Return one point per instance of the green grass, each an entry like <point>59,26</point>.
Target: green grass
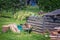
<point>23,35</point>
<point>18,36</point>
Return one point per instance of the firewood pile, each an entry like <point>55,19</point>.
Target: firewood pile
<point>50,21</point>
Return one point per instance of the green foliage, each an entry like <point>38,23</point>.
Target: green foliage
<point>21,15</point>
<point>49,5</point>
<point>10,7</point>
<point>8,4</point>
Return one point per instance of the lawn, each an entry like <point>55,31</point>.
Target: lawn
<point>23,35</point>
<point>18,36</point>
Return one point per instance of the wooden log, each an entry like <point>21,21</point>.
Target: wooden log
<point>36,21</point>
<point>35,25</point>
<point>48,23</point>
<point>38,31</point>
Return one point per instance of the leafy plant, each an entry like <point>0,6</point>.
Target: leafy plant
<point>48,5</point>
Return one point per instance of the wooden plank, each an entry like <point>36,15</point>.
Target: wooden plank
<point>49,23</point>
<point>35,25</point>
<point>41,29</point>
<point>52,25</point>
<point>35,19</point>
<point>38,22</point>
<point>38,28</point>
<point>58,21</point>
<point>53,21</point>
<point>47,18</point>
<point>38,31</point>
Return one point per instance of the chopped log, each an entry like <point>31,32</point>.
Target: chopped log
<point>5,28</point>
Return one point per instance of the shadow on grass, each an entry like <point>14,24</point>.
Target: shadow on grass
<point>5,16</point>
